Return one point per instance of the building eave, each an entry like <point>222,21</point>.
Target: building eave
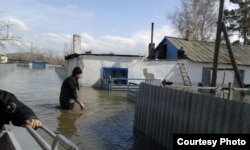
<point>71,56</point>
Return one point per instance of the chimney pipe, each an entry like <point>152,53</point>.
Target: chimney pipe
<point>189,35</point>
<point>151,46</point>
<point>152,32</point>
<point>76,44</point>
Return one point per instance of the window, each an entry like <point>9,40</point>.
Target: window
<point>116,73</point>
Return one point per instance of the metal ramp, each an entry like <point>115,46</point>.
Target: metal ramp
<point>25,138</point>
<point>185,77</point>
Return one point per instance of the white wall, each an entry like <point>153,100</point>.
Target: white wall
<point>161,69</point>
<point>93,68</point>
<point>246,79</point>
<point>168,70</point>
<point>195,73</point>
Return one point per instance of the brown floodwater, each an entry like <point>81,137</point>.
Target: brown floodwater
<point>106,124</point>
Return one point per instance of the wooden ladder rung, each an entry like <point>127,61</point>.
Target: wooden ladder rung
<point>184,74</point>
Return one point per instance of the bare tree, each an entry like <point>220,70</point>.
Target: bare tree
<point>6,36</point>
<point>198,16</point>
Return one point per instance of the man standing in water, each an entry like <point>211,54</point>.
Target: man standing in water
<point>68,94</point>
<point>11,109</point>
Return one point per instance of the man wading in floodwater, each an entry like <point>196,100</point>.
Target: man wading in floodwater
<point>68,95</point>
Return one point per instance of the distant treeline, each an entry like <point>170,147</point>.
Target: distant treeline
<point>50,58</point>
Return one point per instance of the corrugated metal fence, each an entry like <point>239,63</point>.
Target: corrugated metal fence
<point>161,112</point>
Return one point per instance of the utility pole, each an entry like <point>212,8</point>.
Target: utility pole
<point>231,55</point>
<point>222,28</point>
<point>217,44</point>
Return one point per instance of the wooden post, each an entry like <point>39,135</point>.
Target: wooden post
<point>229,90</point>
<point>231,55</point>
<point>217,44</point>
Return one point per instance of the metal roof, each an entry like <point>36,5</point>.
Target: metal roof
<point>198,51</point>
<point>70,56</point>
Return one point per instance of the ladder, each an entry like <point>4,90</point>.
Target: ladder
<point>185,77</point>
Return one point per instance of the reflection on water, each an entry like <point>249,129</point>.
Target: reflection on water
<point>108,119</point>
<point>67,123</point>
<point>106,124</point>
<point>6,69</point>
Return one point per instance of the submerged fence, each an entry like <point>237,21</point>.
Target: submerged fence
<point>126,83</point>
<point>162,112</point>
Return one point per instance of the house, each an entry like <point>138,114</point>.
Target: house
<point>200,57</point>
<point>99,68</point>
<point>38,64</point>
<point>3,58</point>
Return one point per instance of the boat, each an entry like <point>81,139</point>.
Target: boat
<point>23,138</point>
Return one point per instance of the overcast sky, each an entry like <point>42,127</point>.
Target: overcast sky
<point>105,26</point>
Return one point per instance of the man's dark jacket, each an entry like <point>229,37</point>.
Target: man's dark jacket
<point>11,109</point>
<point>68,91</point>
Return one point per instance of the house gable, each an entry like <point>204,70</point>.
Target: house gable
<point>166,50</point>
<point>202,52</point>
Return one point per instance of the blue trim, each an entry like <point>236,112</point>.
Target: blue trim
<point>108,72</point>
<point>171,50</point>
<point>38,65</point>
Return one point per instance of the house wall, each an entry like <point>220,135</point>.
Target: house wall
<point>225,73</point>
<point>246,79</point>
<point>92,67</point>
<point>141,68</point>
<point>138,67</point>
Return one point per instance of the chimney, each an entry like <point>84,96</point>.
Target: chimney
<point>189,35</point>
<point>151,46</point>
<point>76,44</point>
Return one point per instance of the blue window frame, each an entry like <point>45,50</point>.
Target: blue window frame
<point>115,73</point>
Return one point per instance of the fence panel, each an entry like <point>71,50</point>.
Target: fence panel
<point>161,112</point>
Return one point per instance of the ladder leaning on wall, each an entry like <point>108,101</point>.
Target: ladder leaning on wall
<point>185,77</point>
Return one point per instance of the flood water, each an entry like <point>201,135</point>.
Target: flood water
<point>106,124</point>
